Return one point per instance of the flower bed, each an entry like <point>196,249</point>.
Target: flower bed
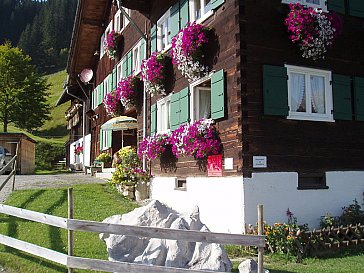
<point>154,73</point>
<point>128,89</point>
<point>199,139</point>
<point>112,44</point>
<point>187,51</point>
<point>312,29</point>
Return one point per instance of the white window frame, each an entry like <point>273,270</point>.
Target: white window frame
<point>322,4</point>
<point>119,72</point>
<point>165,117</point>
<point>125,20</point>
<point>105,140</point>
<point>137,58</point>
<point>328,116</point>
<point>117,18</point>
<point>204,15</point>
<point>194,103</point>
<point>166,17</point>
<point>103,37</point>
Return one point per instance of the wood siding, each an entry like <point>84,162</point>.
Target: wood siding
<point>293,145</point>
<point>225,21</point>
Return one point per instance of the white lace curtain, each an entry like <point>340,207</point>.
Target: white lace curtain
<point>318,94</point>
<point>298,92</point>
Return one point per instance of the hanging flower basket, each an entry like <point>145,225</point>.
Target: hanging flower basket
<point>153,147</point>
<point>187,51</point>
<point>313,30</point>
<point>154,73</point>
<point>112,44</point>
<point>129,91</point>
<point>112,103</point>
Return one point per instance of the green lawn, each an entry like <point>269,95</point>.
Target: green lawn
<point>92,202</point>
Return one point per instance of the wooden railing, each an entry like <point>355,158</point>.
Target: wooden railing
<point>11,174</point>
<point>71,225</point>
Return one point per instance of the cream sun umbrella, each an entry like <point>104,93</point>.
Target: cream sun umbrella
<point>120,124</point>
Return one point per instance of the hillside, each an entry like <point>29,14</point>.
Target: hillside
<point>54,130</point>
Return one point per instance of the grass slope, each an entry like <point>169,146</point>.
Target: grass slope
<point>54,130</point>
<point>92,202</point>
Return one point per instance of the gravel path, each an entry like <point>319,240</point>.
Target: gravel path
<point>46,181</point>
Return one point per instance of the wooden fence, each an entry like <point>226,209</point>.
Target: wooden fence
<point>316,241</point>
<point>71,225</point>
<point>12,173</point>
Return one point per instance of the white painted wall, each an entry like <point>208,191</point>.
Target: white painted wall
<point>278,192</point>
<point>86,156</point>
<point>219,199</point>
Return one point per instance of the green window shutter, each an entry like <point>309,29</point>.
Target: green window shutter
<point>100,138</point>
<point>175,19</point>
<point>359,98</point>
<point>153,119</point>
<point>341,89</point>
<point>109,139</point>
<point>102,92</point>
<point>184,106</point>
<point>110,83</point>
<point>114,79</point>
<point>99,95</point>
<point>143,49</point>
<point>175,111</point>
<point>184,13</point>
<point>218,95</point>
<point>275,90</point>
<point>153,38</point>
<point>216,3</point>
<point>356,8</point>
<point>130,63</point>
<point>337,5</point>
<point>124,67</point>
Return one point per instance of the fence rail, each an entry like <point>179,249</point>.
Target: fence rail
<point>98,227</point>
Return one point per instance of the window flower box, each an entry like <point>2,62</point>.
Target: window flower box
<point>112,44</point>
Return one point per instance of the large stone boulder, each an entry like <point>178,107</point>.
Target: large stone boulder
<point>172,253</point>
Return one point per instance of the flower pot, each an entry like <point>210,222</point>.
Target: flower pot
<point>125,190</point>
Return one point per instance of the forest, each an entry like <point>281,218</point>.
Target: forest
<point>42,29</point>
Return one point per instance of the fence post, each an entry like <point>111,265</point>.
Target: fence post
<point>70,232</point>
<point>260,232</point>
<point>15,166</point>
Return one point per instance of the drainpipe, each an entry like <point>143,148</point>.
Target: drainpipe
<point>83,121</point>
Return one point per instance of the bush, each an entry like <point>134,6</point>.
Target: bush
<point>47,154</point>
<point>104,157</point>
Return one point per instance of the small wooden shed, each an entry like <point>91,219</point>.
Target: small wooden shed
<point>26,150</point>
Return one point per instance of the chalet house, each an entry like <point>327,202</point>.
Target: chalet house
<point>291,127</point>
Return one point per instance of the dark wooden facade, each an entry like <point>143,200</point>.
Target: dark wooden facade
<point>250,34</point>
<point>295,145</point>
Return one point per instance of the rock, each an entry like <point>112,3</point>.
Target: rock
<point>249,266</point>
<point>171,253</point>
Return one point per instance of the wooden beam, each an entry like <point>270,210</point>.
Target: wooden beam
<point>34,216</point>
<point>34,249</point>
<point>165,233</point>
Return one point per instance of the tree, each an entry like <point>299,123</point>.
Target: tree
<point>23,91</point>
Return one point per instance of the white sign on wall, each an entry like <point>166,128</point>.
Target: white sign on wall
<point>259,161</point>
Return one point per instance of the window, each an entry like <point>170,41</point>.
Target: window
<point>119,71</point>
<point>181,184</point>
<point>200,10</point>
<point>103,37</point>
<point>120,21</point>
<point>201,100</point>
<point>138,55</point>
<point>309,94</point>
<point>163,115</point>
<point>311,181</point>
<point>310,3</point>
<point>164,31</point>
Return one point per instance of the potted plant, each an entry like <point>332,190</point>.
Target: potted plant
<point>105,158</point>
<point>154,73</point>
<point>187,51</point>
<point>112,103</point>
<point>129,91</point>
<point>112,44</point>
<point>313,30</point>
<point>153,147</point>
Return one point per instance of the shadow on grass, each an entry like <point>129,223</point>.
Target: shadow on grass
<point>54,233</point>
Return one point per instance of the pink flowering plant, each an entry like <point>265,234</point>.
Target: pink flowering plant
<point>128,89</point>
<point>153,147</point>
<point>111,44</point>
<point>154,73</point>
<point>112,103</point>
<point>78,149</point>
<point>199,139</point>
<point>313,30</point>
<point>187,51</point>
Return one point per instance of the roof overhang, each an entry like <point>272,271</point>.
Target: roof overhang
<point>143,6</point>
